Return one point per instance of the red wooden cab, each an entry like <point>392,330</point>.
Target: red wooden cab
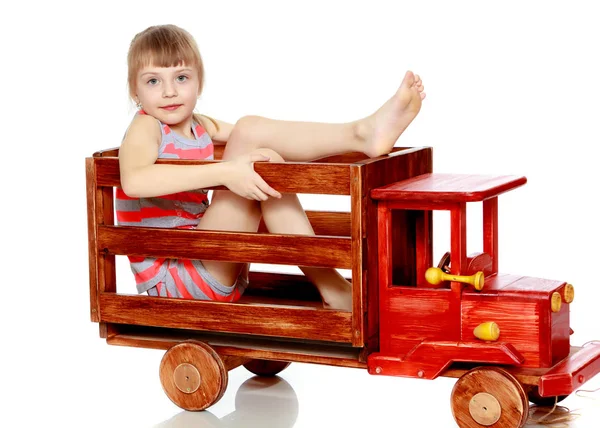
<point>425,328</point>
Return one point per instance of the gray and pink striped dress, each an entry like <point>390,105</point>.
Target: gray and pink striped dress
<point>179,278</point>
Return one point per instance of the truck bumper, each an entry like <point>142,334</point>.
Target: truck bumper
<point>571,373</point>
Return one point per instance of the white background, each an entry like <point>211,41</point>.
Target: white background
<point>512,88</point>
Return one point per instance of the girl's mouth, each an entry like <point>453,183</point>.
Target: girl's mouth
<point>171,107</point>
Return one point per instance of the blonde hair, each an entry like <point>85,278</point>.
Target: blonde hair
<point>164,46</point>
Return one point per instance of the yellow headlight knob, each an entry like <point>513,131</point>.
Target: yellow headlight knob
<point>555,302</point>
<point>569,293</point>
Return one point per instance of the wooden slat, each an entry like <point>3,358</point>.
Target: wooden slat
<point>358,200</point>
<point>449,188</point>
<point>92,249</point>
<point>242,346</point>
<point>328,223</point>
<point>265,320</point>
<point>346,158</point>
<point>112,152</point>
<point>289,177</point>
<point>399,165</point>
<point>296,250</point>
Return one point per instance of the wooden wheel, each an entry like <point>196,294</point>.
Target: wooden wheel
<point>534,396</point>
<point>193,375</point>
<point>266,367</point>
<point>489,397</point>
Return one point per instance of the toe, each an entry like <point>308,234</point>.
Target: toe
<point>409,79</point>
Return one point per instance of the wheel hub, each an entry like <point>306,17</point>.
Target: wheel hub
<point>485,409</point>
<point>187,378</point>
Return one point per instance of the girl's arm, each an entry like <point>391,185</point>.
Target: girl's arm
<point>142,178</point>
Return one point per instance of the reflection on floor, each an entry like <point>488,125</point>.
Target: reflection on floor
<point>259,402</point>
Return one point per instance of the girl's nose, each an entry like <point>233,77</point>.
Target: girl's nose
<point>169,90</point>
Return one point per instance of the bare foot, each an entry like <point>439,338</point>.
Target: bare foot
<point>381,130</point>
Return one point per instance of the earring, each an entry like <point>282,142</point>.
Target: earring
<point>139,105</point>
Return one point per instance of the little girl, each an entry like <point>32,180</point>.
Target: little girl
<point>165,80</point>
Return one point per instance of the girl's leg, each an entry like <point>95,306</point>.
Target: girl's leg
<point>229,211</point>
<point>286,215</point>
<point>374,135</point>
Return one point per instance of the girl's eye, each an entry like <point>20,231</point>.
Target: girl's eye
<point>181,78</point>
<point>153,81</point>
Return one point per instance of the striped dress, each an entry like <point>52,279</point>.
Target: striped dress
<point>180,278</point>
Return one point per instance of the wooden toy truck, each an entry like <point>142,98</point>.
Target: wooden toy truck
<point>505,337</point>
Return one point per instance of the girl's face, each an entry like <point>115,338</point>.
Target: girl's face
<point>168,93</point>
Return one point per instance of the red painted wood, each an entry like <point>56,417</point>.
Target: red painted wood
<point>420,205</point>
<point>519,284</point>
<point>458,264</point>
<point>520,324</point>
<point>560,334</point>
<point>490,230</point>
<point>448,188</point>
<point>458,237</point>
<point>358,201</point>
<point>380,172</point>
<point>424,246</point>
<point>409,315</point>
<point>429,359</point>
<point>572,372</point>
<point>384,225</point>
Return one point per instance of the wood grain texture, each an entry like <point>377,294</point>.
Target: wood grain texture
<point>397,166</point>
<point>560,333</point>
<point>572,372</point>
<point>424,245</point>
<point>327,179</point>
<point>490,231</point>
<point>267,320</point>
<point>430,358</point>
<point>295,250</point>
<point>202,385</point>
<point>92,248</point>
<point>410,315</point>
<point>507,392</point>
<point>358,201</point>
<point>519,324</point>
<point>346,158</point>
<point>257,347</point>
<point>448,188</point>
<point>327,223</point>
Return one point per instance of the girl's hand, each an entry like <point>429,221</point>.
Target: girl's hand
<point>242,180</point>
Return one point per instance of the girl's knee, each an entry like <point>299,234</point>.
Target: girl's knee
<point>275,157</point>
<point>244,130</point>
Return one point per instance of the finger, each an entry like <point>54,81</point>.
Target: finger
<point>260,195</point>
<point>423,95</point>
<point>257,157</point>
<point>264,187</point>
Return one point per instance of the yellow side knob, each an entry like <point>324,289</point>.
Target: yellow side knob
<point>569,293</point>
<point>487,331</point>
<point>435,275</point>
<point>555,302</point>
